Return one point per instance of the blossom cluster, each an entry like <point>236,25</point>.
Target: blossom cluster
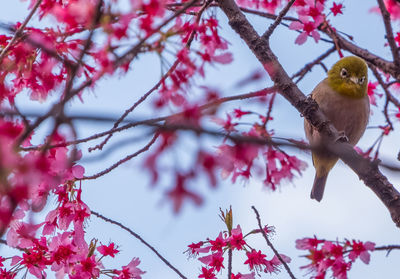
<point>61,245</point>
<point>58,243</point>
<point>213,252</point>
<point>334,256</point>
<point>310,14</point>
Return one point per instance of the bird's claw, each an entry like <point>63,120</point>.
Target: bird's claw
<point>342,137</point>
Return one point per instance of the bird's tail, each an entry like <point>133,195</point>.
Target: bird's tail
<point>318,188</point>
<point>323,163</point>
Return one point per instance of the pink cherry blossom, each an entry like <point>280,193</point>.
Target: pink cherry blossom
<point>307,28</point>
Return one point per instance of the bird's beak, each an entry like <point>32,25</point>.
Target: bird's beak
<point>354,79</point>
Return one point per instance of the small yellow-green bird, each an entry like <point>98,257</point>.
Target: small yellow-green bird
<point>343,98</point>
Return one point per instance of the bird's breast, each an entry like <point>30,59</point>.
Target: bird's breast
<point>347,114</point>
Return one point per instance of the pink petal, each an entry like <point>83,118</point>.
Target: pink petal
<point>206,259</point>
<point>301,39</point>
<point>315,35</point>
<point>369,245</point>
<point>296,25</point>
<point>365,257</point>
<point>224,58</point>
<point>78,171</point>
<point>15,260</point>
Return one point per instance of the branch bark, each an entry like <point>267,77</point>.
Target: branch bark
<point>366,170</point>
<point>389,34</point>
<point>386,66</point>
<point>383,64</point>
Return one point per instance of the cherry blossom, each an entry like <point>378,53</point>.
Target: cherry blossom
<point>307,28</point>
<point>372,92</point>
<point>336,9</point>
<point>334,256</point>
<point>108,250</point>
<point>235,242</point>
<point>397,38</point>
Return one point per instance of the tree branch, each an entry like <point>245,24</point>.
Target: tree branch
<point>386,66</point>
<point>278,20</point>
<point>285,265</point>
<point>98,215</point>
<point>302,72</point>
<point>389,34</point>
<point>124,160</point>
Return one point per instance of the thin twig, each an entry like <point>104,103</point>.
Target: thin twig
<point>19,30</point>
<point>273,16</point>
<point>266,15</point>
<point>278,20</point>
<point>389,34</point>
<point>388,95</point>
<point>269,110</point>
<point>270,244</point>
<point>115,146</point>
<point>133,107</point>
<point>307,68</point>
<point>68,93</point>
<point>387,247</point>
<point>124,160</point>
<point>141,240</point>
<point>229,263</point>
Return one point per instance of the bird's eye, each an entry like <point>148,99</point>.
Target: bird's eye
<point>361,80</point>
<point>343,72</point>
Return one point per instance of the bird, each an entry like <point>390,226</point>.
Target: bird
<point>342,97</point>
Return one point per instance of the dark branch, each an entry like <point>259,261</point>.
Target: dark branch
<point>124,160</point>
<point>98,215</point>
<point>389,34</point>
<point>278,20</point>
<point>285,265</point>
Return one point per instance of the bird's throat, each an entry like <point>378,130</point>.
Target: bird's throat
<point>348,89</point>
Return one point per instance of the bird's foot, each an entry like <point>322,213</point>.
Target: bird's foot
<point>342,137</point>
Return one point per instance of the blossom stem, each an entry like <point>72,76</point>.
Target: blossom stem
<point>389,34</point>
<point>98,215</point>
<point>229,263</point>
<point>278,20</point>
<point>285,265</point>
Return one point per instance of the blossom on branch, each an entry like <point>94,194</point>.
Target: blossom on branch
<point>332,256</point>
<point>336,9</point>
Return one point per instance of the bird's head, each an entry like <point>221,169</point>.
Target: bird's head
<point>349,77</point>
